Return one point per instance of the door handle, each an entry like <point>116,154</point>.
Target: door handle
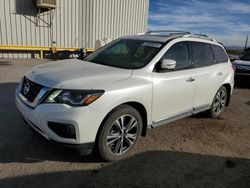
<point>190,79</point>
<point>219,73</point>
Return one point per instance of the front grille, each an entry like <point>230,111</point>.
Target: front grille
<point>30,89</point>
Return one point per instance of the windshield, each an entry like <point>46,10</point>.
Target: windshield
<point>246,57</point>
<point>126,53</point>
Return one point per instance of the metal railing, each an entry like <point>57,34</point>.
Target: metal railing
<point>41,49</point>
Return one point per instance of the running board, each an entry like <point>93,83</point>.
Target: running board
<point>179,116</point>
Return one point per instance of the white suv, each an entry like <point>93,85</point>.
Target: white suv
<point>137,82</point>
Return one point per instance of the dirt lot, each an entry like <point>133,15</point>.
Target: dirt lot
<point>193,152</point>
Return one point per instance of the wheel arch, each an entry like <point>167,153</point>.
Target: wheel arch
<point>139,107</point>
<point>144,115</point>
<point>229,89</point>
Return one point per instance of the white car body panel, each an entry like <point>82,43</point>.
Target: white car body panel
<point>75,74</point>
<point>168,97</point>
<point>209,80</point>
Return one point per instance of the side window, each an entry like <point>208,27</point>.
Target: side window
<point>180,53</point>
<point>202,54</point>
<point>220,55</point>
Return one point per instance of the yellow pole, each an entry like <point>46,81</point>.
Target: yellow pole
<point>41,54</point>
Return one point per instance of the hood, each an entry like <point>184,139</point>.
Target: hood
<point>241,62</point>
<point>76,74</point>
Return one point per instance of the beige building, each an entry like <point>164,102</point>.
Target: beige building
<point>66,23</point>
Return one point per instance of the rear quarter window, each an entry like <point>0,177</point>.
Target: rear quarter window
<point>220,55</point>
<point>202,54</point>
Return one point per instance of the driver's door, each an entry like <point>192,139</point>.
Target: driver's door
<point>174,90</point>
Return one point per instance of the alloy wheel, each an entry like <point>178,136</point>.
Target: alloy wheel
<point>220,101</point>
<point>122,134</point>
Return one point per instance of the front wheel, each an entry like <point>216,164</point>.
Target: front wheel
<point>120,133</point>
<point>219,102</point>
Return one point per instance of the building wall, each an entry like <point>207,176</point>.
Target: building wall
<point>76,23</point>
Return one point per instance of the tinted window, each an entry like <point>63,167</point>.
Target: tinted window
<point>126,53</point>
<point>219,54</point>
<point>202,54</point>
<point>180,53</point>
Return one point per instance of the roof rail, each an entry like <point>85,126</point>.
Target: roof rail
<point>167,32</point>
<point>201,36</point>
<point>179,33</point>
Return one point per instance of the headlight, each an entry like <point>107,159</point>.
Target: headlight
<point>74,97</point>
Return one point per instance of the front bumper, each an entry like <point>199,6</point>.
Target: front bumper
<point>85,120</point>
<point>82,149</point>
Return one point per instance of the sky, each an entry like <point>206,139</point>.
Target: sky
<point>228,21</point>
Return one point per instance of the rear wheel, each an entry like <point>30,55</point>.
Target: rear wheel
<point>219,102</point>
<point>120,133</point>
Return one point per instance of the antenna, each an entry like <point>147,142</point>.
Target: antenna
<point>246,43</point>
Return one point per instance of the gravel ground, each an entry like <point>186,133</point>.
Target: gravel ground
<point>193,152</point>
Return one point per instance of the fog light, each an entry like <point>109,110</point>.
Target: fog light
<point>63,129</point>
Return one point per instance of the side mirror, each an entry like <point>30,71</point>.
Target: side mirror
<point>168,64</point>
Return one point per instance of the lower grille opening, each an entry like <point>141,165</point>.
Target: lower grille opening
<point>63,129</point>
<point>30,123</point>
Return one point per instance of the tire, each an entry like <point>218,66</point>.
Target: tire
<point>116,139</point>
<point>219,103</point>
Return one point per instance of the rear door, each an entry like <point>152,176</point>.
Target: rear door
<point>209,74</point>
